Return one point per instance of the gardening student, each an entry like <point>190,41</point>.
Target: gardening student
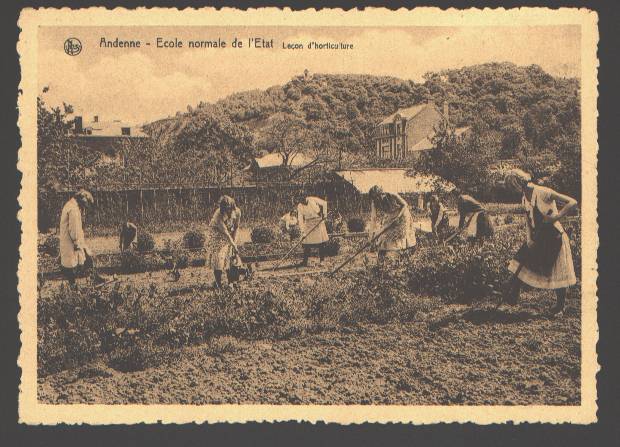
<point>288,222</point>
<point>128,236</point>
<point>222,236</point>
<point>311,214</point>
<point>474,221</point>
<point>75,257</point>
<point>440,224</point>
<point>390,209</point>
<point>545,260</point>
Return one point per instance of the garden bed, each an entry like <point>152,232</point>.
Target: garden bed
<point>159,259</point>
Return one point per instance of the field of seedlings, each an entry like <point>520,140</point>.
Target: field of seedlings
<point>425,329</point>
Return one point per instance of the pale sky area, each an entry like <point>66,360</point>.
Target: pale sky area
<point>145,84</point>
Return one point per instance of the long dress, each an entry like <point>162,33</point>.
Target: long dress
<point>220,249</point>
<point>309,217</point>
<point>401,235</point>
<point>545,261</point>
<point>73,248</point>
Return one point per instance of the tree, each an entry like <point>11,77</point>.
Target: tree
<point>567,179</point>
<point>61,163</point>
<point>287,135</point>
<point>513,141</point>
<point>462,161</point>
<point>213,132</point>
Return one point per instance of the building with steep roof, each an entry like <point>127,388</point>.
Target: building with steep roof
<point>409,131</point>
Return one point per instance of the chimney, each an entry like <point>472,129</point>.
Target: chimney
<point>77,122</point>
<point>446,110</point>
<point>96,118</point>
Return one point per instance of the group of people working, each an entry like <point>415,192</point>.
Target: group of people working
<point>544,261</point>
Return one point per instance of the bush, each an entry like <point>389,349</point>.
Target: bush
<point>463,271</point>
<point>333,225</point>
<point>294,232</point>
<point>194,239</point>
<point>134,328</point>
<point>145,242</point>
<point>356,225</point>
<point>51,246</point>
<point>262,235</point>
<point>370,296</point>
<point>132,262</point>
<point>332,247</point>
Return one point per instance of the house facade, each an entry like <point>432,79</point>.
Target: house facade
<point>105,136</point>
<point>409,131</point>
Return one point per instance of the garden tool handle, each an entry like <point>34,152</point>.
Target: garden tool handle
<point>297,244</point>
<point>364,247</point>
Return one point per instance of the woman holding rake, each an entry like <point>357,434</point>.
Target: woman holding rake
<point>390,209</point>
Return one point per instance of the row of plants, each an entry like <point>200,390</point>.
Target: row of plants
<point>264,240</point>
<point>132,328</point>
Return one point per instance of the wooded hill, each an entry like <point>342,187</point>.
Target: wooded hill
<point>529,108</point>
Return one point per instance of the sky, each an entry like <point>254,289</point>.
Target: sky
<point>149,83</point>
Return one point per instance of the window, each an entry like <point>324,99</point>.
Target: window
<point>125,131</point>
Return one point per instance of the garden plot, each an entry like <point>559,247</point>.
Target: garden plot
<point>422,330</point>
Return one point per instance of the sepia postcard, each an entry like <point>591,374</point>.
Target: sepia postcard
<point>339,216</point>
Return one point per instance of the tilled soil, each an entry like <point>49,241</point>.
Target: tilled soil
<point>451,355</point>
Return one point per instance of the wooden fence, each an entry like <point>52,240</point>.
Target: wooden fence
<point>162,207</point>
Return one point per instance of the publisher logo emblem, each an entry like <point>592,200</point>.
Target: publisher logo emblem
<point>73,46</point>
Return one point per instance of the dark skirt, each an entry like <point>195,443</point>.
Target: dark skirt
<point>541,256</point>
<point>484,227</point>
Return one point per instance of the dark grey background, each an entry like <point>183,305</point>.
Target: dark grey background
<point>606,432</point>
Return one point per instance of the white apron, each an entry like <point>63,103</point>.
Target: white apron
<point>71,235</point>
<point>309,217</point>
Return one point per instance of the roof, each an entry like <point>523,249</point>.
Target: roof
<point>111,129</point>
<point>423,145</point>
<point>426,143</point>
<point>394,180</point>
<point>407,113</point>
<point>276,159</point>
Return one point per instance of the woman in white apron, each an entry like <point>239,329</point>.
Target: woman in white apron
<point>390,209</point>
<point>76,259</point>
<point>221,237</point>
<point>311,214</point>
<point>545,260</point>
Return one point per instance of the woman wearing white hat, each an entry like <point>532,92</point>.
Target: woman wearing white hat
<point>75,256</point>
